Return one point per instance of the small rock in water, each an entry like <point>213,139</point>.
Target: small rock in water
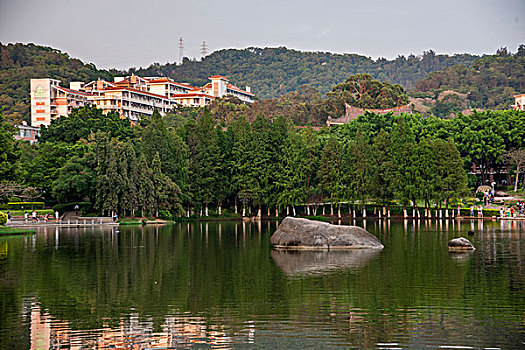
<point>460,244</point>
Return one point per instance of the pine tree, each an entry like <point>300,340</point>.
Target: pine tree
<point>330,171</point>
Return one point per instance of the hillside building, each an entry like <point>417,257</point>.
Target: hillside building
<point>519,102</point>
<point>133,97</point>
<point>49,100</point>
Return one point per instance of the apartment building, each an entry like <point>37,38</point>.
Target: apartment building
<point>133,97</point>
<point>49,100</point>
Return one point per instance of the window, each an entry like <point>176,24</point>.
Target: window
<point>40,92</point>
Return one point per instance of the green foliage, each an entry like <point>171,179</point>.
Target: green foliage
<point>274,72</point>
<point>363,91</point>
<point>489,82</point>
<point>9,151</point>
<point>21,62</point>
<point>14,199</point>
<point>26,205</point>
<point>82,123</point>
<point>165,215</point>
<point>75,181</point>
<point>3,218</point>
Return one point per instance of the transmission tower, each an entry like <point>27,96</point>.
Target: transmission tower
<point>181,50</point>
<point>204,49</point>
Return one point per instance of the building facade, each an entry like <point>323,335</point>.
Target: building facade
<point>519,102</point>
<point>49,100</point>
<point>133,97</point>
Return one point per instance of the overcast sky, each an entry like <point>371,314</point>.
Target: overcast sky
<point>134,33</point>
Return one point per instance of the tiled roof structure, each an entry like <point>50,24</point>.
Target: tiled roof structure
<point>354,112</point>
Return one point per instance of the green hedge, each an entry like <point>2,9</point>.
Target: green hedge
<point>25,205</point>
<point>3,218</point>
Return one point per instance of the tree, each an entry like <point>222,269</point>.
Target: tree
<point>382,171</point>
<point>358,174</point>
<point>245,184</point>
<point>205,161</point>
<point>516,157</point>
<point>291,173</point>
<point>108,179</point>
<point>9,151</point>
<point>329,172</point>
<point>451,178</point>
<point>75,182</point>
<point>401,147</point>
<point>82,123</point>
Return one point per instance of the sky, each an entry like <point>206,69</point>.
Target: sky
<point>136,33</point>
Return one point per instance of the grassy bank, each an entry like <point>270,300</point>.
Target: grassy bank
<point>7,231</point>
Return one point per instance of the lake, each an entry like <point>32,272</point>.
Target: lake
<point>219,285</point>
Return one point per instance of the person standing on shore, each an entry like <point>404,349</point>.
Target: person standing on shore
<point>33,215</point>
<point>26,216</point>
<point>8,217</point>
<point>56,215</point>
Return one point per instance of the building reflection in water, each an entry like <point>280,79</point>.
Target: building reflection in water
<point>178,331</point>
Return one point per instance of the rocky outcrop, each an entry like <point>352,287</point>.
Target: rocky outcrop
<point>294,233</point>
<point>460,244</point>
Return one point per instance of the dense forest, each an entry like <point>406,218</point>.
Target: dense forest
<point>156,169</point>
<point>272,72</point>
<point>301,84</point>
<point>489,82</point>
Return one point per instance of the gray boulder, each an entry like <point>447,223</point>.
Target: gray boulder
<point>294,233</point>
<point>460,244</point>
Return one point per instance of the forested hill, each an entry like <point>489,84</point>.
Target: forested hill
<point>20,62</point>
<point>273,72</point>
<point>489,82</point>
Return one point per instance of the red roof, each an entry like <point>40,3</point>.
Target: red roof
<point>135,90</point>
<point>76,92</point>
<point>218,77</point>
<point>168,80</point>
<point>190,95</point>
<point>233,87</point>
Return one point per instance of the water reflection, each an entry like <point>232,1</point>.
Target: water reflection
<point>219,284</point>
<point>296,263</point>
<point>131,332</point>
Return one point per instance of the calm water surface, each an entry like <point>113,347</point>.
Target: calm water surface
<point>220,285</point>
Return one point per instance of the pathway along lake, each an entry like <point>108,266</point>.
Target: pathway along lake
<point>220,285</point>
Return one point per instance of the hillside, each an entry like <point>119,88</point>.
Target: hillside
<point>273,72</point>
<point>20,62</point>
<point>489,82</point>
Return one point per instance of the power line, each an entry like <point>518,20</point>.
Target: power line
<point>181,50</point>
<point>204,49</point>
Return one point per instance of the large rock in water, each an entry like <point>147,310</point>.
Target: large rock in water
<point>294,233</point>
<point>460,244</point>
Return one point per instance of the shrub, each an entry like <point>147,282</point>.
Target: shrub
<point>480,195</point>
<point>14,199</point>
<point>25,205</point>
<point>165,215</point>
<point>3,218</point>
